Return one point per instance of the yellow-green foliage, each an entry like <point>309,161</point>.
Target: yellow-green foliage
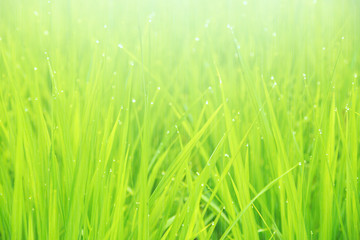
<point>189,119</point>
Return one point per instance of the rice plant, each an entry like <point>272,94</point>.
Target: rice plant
<point>193,119</point>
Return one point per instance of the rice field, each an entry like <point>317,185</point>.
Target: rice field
<point>193,119</point>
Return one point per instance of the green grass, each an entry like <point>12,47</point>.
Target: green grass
<point>179,119</point>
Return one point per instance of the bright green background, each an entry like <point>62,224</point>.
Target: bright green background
<point>179,119</point>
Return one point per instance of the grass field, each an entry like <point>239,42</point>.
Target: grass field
<point>194,119</point>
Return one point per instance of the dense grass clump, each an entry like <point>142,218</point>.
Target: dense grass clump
<point>179,119</point>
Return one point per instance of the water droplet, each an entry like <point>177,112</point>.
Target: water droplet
<point>347,108</point>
